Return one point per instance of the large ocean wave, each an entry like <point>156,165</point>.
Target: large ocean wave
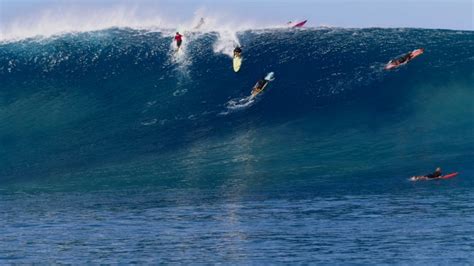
<point>118,106</point>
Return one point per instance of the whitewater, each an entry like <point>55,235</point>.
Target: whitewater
<point>115,150</point>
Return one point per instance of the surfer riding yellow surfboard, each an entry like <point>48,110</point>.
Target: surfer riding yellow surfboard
<point>237,60</point>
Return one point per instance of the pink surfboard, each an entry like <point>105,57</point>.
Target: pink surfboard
<point>300,24</point>
<point>449,176</point>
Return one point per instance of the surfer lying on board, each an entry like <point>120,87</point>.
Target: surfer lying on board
<point>434,176</point>
<point>261,84</point>
<point>179,40</point>
<point>237,51</point>
<point>437,173</point>
<point>404,59</point>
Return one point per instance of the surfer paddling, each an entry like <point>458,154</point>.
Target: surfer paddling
<point>259,86</point>
<point>437,174</point>
<point>262,84</point>
<point>404,59</point>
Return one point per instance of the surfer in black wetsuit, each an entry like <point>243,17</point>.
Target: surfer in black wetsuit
<point>404,58</point>
<point>261,83</point>
<point>237,51</point>
<point>259,86</point>
<point>407,57</point>
<point>436,174</point>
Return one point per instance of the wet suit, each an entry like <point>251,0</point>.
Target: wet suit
<point>403,59</point>
<point>179,39</point>
<point>259,86</point>
<point>436,174</point>
<point>237,51</point>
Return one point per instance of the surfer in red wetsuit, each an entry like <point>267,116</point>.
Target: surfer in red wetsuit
<point>179,39</point>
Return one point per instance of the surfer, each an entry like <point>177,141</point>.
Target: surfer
<point>237,51</point>
<point>200,23</point>
<point>437,173</point>
<point>434,176</point>
<point>404,59</point>
<point>261,84</point>
<point>237,60</point>
<point>179,40</point>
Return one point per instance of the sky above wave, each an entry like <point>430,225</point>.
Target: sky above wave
<point>40,15</point>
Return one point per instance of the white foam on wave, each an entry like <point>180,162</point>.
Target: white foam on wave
<point>226,43</point>
<point>51,21</point>
<point>56,21</point>
<point>238,104</point>
<point>59,20</point>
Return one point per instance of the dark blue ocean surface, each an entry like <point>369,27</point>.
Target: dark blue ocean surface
<point>114,150</point>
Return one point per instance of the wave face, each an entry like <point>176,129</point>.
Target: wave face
<point>118,108</point>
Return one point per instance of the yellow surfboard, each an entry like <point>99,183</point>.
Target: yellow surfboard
<point>237,63</point>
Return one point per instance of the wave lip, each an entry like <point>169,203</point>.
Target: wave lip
<point>50,22</point>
